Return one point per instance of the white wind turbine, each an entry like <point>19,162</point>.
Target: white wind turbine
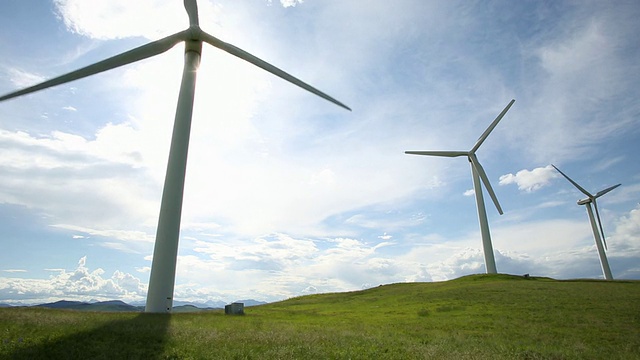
<point>477,173</point>
<point>598,231</point>
<point>163,267</point>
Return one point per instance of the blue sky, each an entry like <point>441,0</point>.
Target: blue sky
<point>287,194</point>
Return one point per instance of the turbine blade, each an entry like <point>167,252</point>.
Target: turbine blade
<point>574,183</point>
<point>483,176</point>
<point>600,193</point>
<point>139,53</point>
<point>495,122</point>
<point>595,205</point>
<point>233,50</point>
<point>192,10</point>
<point>439,153</point>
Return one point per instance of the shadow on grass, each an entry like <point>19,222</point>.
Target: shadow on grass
<point>142,337</point>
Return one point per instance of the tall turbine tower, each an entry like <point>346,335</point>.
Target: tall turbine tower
<point>163,267</point>
<point>598,231</point>
<point>477,173</point>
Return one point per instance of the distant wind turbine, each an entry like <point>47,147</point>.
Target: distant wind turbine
<point>477,173</point>
<point>163,267</point>
<point>598,231</point>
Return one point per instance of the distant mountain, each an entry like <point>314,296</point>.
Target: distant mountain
<point>64,304</point>
<point>190,309</point>
<point>112,305</point>
<point>206,305</point>
<point>120,306</point>
<point>4,305</point>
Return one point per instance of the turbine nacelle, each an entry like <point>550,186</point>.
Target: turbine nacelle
<point>585,201</point>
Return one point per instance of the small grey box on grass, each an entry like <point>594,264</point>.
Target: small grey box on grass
<point>234,309</point>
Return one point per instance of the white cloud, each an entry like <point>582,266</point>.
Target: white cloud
<point>583,69</point>
<point>309,290</point>
<point>22,79</point>
<point>294,267</point>
<point>229,149</point>
<point>79,284</point>
<point>627,232</point>
<point>288,3</point>
<point>224,271</point>
<point>274,252</point>
<point>540,238</point>
<point>530,181</point>
<point>120,18</point>
<point>607,163</point>
<point>468,261</point>
<point>50,173</point>
<point>113,143</point>
<point>124,235</point>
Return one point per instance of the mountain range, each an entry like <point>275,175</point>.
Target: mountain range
<point>120,306</point>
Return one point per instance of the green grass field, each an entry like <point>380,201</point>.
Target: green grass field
<point>474,317</point>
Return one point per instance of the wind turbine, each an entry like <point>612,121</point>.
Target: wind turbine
<point>477,173</point>
<point>163,267</point>
<point>598,231</point>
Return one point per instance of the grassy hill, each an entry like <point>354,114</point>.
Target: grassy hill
<point>474,317</point>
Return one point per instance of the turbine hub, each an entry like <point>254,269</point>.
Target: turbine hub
<point>194,43</point>
<point>195,33</point>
